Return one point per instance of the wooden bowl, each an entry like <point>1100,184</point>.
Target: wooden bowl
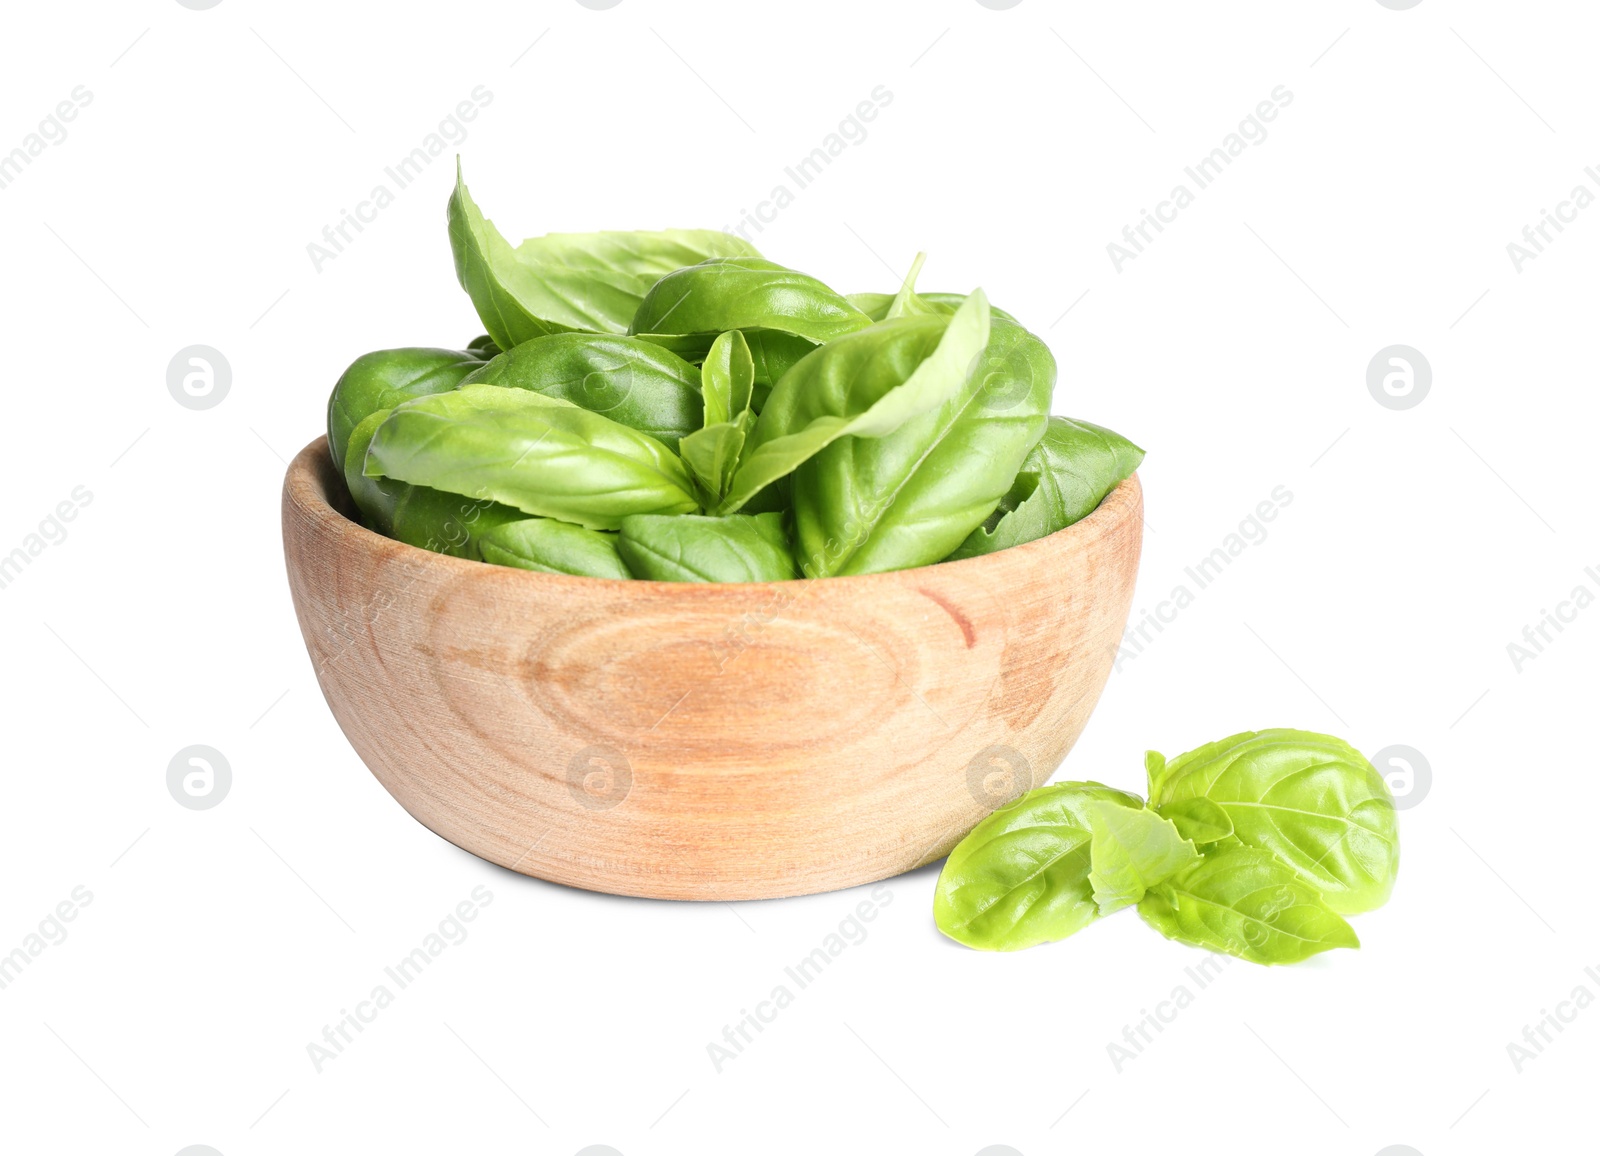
<point>687,741</point>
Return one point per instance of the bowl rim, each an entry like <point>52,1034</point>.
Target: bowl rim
<point>306,487</point>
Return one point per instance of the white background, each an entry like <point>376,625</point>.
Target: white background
<point>1018,143</point>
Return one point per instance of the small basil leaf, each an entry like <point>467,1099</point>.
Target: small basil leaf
<point>1198,820</point>
<point>745,293</point>
<point>1155,769</point>
<point>868,384</point>
<point>726,378</point>
<point>541,455</point>
<point>553,547</point>
<point>1129,852</point>
<point>1246,902</point>
<point>484,346</point>
<point>1021,876</point>
<point>416,515</point>
<point>738,548</point>
<point>712,453</point>
<point>712,456</point>
<point>1311,799</point>
<point>383,380</point>
<point>1065,477</point>
<point>633,382</point>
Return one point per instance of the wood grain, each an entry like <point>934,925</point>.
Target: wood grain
<point>690,741</point>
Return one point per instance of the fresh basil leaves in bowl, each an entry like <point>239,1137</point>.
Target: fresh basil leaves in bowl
<point>696,579</point>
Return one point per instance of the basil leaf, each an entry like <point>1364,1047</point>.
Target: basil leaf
<point>727,377</point>
<point>383,380</point>
<point>911,496</point>
<point>1198,820</point>
<point>484,346</point>
<point>1311,799</point>
<point>419,516</point>
<point>567,281</point>
<point>868,383</point>
<point>553,547</point>
<point>1155,771</point>
<point>633,382</point>
<point>1021,876</point>
<point>1066,476</point>
<point>745,293</point>
<point>1247,902</point>
<point>536,453</point>
<point>712,454</point>
<point>738,548</point>
<point>1129,852</point>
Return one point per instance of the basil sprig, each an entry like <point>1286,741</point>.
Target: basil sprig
<point>1256,845</point>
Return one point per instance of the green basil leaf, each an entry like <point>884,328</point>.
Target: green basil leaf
<point>745,293</point>
<point>416,515</point>
<point>383,380</point>
<point>738,548</point>
<point>1021,876</point>
<point>1311,799</point>
<point>484,346</point>
<point>712,453</point>
<point>712,456</point>
<point>910,497</point>
<point>1066,476</point>
<point>553,547</point>
<point>868,384</point>
<point>727,378</point>
<point>1131,851</point>
<point>1198,820</point>
<point>1247,902</point>
<point>640,385</point>
<point>567,281</point>
<point>539,454</point>
<point>1155,771</point>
